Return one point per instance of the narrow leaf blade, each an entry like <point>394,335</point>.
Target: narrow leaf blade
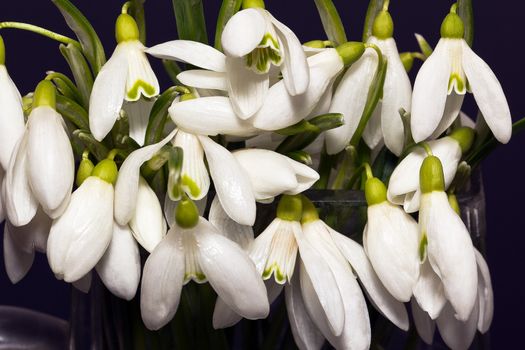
<point>332,24</point>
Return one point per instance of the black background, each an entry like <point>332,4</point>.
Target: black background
<point>499,38</point>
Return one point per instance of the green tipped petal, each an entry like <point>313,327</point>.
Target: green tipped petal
<point>431,175</point>
<point>290,208</point>
<point>187,214</point>
<point>45,95</point>
<point>375,191</point>
<point>383,27</point>
<point>452,27</point>
<point>465,137</point>
<point>350,52</point>
<point>126,28</point>
<point>106,170</point>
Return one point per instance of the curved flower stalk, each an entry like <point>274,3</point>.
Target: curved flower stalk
<point>78,239</point>
<point>443,80</point>
<point>41,169</point>
<point>391,241</point>
<point>449,248</point>
<point>457,334</point>
<point>20,244</point>
<point>126,76</point>
<point>272,174</point>
<point>11,113</point>
<point>314,263</point>
<point>404,188</point>
<point>195,250</point>
<point>351,95</point>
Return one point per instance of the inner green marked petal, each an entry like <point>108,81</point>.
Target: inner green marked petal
<point>140,85</point>
<point>423,247</point>
<point>190,186</point>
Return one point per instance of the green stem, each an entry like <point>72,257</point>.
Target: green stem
<point>385,5</point>
<point>39,30</point>
<point>126,6</point>
<point>368,170</point>
<point>426,147</point>
<point>357,174</point>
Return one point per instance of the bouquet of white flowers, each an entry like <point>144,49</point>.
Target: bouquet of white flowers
<point>152,192</point>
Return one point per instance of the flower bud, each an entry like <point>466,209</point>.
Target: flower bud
<point>187,214</point>
<point>107,171</point>
<point>309,211</point>
<point>84,170</point>
<point>2,51</point>
<point>45,95</point>
<point>383,27</point>
<point>464,136</point>
<point>431,175</point>
<point>375,191</point>
<point>452,27</point>
<point>315,44</point>
<point>290,208</point>
<point>126,28</point>
<point>350,52</point>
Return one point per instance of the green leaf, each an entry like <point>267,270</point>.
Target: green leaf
<point>332,24</point>
<point>96,148</point>
<point>300,127</point>
<point>228,9</point>
<point>80,69</point>
<point>424,46</point>
<point>374,93</point>
<point>374,7</point>
<point>137,12</point>
<point>328,121</point>
<point>191,24</point>
<point>173,69</point>
<point>91,45</point>
<point>467,15</point>
<point>73,112</point>
<point>297,142</point>
<point>158,116</point>
<point>300,156</point>
<point>65,86</point>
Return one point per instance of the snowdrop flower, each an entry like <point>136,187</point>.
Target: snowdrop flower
<point>404,189</point>
<point>231,182</point>
<point>351,94</point>
<point>441,83</point>
<point>272,174</point>
<point>448,244</point>
<point>41,169</point>
<point>11,113</point>
<point>194,250</point>
<point>457,334</point>
<point>314,263</point>
<point>391,242</point>
<point>126,76</point>
<point>79,238</point>
<point>20,244</point>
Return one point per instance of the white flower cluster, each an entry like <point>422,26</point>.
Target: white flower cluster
<point>262,91</point>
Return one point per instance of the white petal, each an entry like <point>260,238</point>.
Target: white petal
<point>324,284</point>
<point>194,175</point>
<point>108,94</point>
<point>204,79</point>
<point>281,109</point>
<point>79,238</point>
<point>456,334</point>
<point>373,133</point>
<point>450,252</point>
<point>127,186</point>
<point>305,333</point>
<point>138,116</point>
<point>243,32</point>
<point>305,175</point>
<point>231,182</point>
<point>192,52</point>
<point>84,284</point>
<point>377,293</point>
<point>397,93</point>
<point>488,94</point>
<point>17,261</point>
<point>119,268</point>
<point>209,116</point>
<point>162,281</point>
<point>350,100</point>
<point>452,110</point>
<point>223,315</point>
<point>231,272</point>
<point>391,242</point>
<point>430,93</point>
<point>12,123</point>
<point>296,74</point>
<point>429,291</point>
<point>485,294</point>
<point>240,234</point>
<point>247,89</point>
<point>323,106</point>
<point>425,326</point>
<point>19,201</point>
<point>147,224</point>
<point>51,165</point>
<point>34,235</point>
<point>141,80</point>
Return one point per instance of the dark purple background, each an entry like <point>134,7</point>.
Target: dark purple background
<point>498,40</point>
